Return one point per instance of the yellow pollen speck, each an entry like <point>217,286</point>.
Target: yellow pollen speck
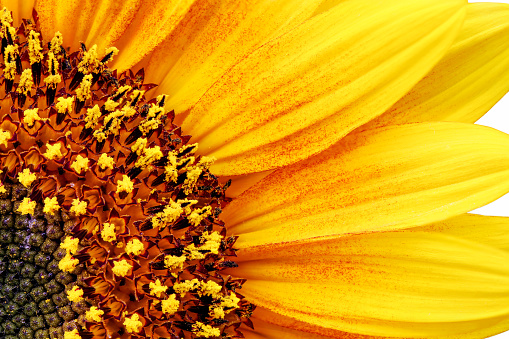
<point>78,207</point>
<point>70,245</point>
<point>171,305</point>
<point>110,105</point>
<point>207,331</point>
<point>133,324</point>
<point>108,232</point>
<point>121,268</point>
<point>68,264</point>
<point>26,178</point>
<point>92,117</point>
<point>80,164</point>
<point>134,246</point>
<point>26,82</point>
<point>84,91</point>
<point>198,215</point>
<point>53,80</point>
<point>99,135</point>
<point>210,288</point>
<point>75,294</point>
<point>2,188</point>
<point>10,55</point>
<point>56,43</point>
<point>31,116</point>
<point>94,314</point>
<point>157,288</point>
<point>34,47</point>
<point>53,151</point>
<point>185,286</point>
<point>172,261</point>
<point>64,105</point>
<point>74,334</point>
<point>170,213</point>
<point>125,185</point>
<point>171,168</point>
<point>139,146</point>
<point>192,177</point>
<point>217,312</point>
<point>50,205</point>
<point>4,137</point>
<point>149,156</point>
<point>26,206</point>
<point>89,63</point>
<point>105,162</point>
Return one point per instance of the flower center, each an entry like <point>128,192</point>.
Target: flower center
<point>118,217</point>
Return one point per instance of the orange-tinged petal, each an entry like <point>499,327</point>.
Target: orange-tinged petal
<point>20,9</point>
<point>394,284</point>
<point>385,179</point>
<point>301,92</point>
<point>492,231</point>
<point>214,36</point>
<point>468,81</point>
<point>134,26</point>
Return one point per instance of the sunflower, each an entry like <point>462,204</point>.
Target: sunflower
<point>302,169</point>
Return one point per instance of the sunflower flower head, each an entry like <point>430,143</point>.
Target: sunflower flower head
<point>115,217</point>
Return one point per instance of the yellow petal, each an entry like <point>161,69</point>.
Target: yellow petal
<point>385,179</point>
<point>20,9</point>
<point>469,80</point>
<point>133,26</point>
<point>214,37</point>
<point>299,93</point>
<point>492,231</point>
<point>395,284</point>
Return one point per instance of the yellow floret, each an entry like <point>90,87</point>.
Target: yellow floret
<point>2,188</point>
<point>210,288</point>
<point>92,117</point>
<point>110,105</point>
<point>51,205</point>
<point>84,92</point>
<point>192,176</point>
<point>34,47</point>
<point>133,324</point>
<point>27,206</point>
<point>80,164</point>
<point>10,55</point>
<point>139,146</point>
<point>149,156</point>
<point>185,286</point>
<point>171,261</point>
<point>78,207</point>
<point>105,162</point>
<point>157,288</point>
<point>26,82</point>
<point>53,80</point>
<point>171,305</point>
<point>125,185</point>
<point>89,62</point>
<point>74,334</point>
<point>207,331</point>
<point>99,135</point>
<point>64,105</point>
<point>75,294</point>
<point>26,178</point>
<point>31,116</point>
<point>196,217</point>
<point>53,152</point>
<point>70,245</point>
<point>56,43</point>
<point>68,264</point>
<point>168,215</point>
<point>108,232</point>
<point>94,314</point>
<point>121,268</point>
<point>134,246</point>
<point>4,137</point>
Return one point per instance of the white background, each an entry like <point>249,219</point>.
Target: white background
<point>497,117</point>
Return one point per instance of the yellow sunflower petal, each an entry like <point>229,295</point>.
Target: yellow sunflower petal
<point>469,80</point>
<point>20,9</point>
<point>299,93</point>
<point>492,231</point>
<point>133,26</point>
<point>385,179</point>
<point>395,284</point>
<point>215,36</point>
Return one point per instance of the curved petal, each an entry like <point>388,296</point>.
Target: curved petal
<point>385,179</point>
<point>394,284</point>
<point>133,26</point>
<point>266,330</point>
<point>21,9</point>
<point>215,35</point>
<point>468,81</point>
<point>492,231</point>
<point>301,92</point>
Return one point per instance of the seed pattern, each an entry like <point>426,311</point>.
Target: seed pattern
<point>142,248</point>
